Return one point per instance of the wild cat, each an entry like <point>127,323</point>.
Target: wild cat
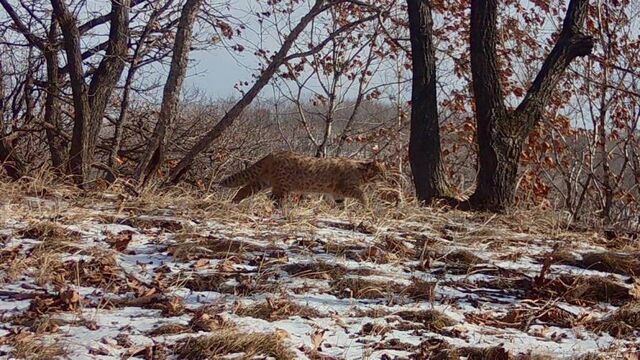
<point>288,172</point>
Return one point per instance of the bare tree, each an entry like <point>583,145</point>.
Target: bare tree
<point>424,143</point>
<point>90,101</point>
<point>501,132</point>
<point>8,159</point>
<point>279,58</point>
<point>154,155</point>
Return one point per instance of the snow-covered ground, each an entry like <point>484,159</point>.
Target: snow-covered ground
<point>98,280</point>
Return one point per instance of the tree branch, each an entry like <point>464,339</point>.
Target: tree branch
<point>487,89</point>
<point>278,59</point>
<point>22,28</point>
<point>572,43</point>
<point>102,19</point>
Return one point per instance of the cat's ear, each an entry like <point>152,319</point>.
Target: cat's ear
<point>374,167</point>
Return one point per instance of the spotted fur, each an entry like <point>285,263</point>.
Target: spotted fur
<point>289,172</point>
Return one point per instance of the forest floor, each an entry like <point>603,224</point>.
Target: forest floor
<point>108,276</point>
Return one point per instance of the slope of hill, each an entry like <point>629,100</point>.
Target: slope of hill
<point>103,276</point>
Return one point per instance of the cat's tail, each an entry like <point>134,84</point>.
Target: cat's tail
<point>250,174</point>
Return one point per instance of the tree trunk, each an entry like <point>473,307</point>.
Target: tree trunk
<point>154,155</point>
<point>278,59</point>
<point>424,142</point>
<point>133,68</point>
<point>8,160</point>
<point>90,103</point>
<point>501,133</point>
<point>52,106</point>
<point>79,155</point>
<point>106,76</point>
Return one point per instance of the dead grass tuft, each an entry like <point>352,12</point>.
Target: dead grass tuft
<point>608,261</point>
<point>208,282</point>
<point>273,310</point>
<point>324,271</point>
<point>210,248</point>
<point>46,229</point>
<point>420,289</point>
<point>360,288</point>
<point>590,356</point>
<point>374,329</point>
<point>210,318</point>
<point>485,353</point>
<point>169,329</point>
<point>438,349</point>
<point>431,320</point>
<point>462,257</point>
<point>228,342</point>
<point>584,289</point>
<point>53,237</point>
<point>397,246</point>
<point>102,272</point>
<point>625,321</point>
<point>372,312</point>
<point>519,317</point>
<point>29,347</point>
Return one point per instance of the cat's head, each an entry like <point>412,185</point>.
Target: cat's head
<point>373,169</point>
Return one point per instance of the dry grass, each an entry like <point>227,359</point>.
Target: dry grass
<point>53,237</point>
<point>228,342</point>
<point>208,282</point>
<point>584,290</point>
<point>324,271</point>
<point>438,349</point>
<point>102,271</point>
<point>273,310</point>
<point>374,329</point>
<point>458,227</point>
<point>169,329</point>
<point>420,290</point>
<point>462,258</point>
<point>522,317</point>
<point>625,264</point>
<point>31,348</point>
<point>198,247</point>
<point>431,320</point>
<point>360,288</point>
<point>625,321</point>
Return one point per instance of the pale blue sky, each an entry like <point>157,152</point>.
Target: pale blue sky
<point>215,72</point>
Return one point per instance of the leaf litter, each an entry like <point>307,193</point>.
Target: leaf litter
<point>84,279</point>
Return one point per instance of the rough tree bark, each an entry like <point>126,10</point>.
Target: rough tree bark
<point>91,101</point>
<point>278,59</point>
<point>154,155</point>
<point>501,133</point>
<point>13,166</point>
<point>52,105</point>
<point>424,142</point>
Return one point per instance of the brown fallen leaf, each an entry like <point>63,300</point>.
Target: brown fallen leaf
<point>120,241</point>
<point>201,264</point>
<point>317,338</point>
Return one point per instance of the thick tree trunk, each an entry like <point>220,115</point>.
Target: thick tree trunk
<point>106,76</point>
<point>52,106</point>
<point>90,102</point>
<point>498,156</point>
<point>154,155</point>
<point>79,155</point>
<point>424,142</point>
<point>501,133</point>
